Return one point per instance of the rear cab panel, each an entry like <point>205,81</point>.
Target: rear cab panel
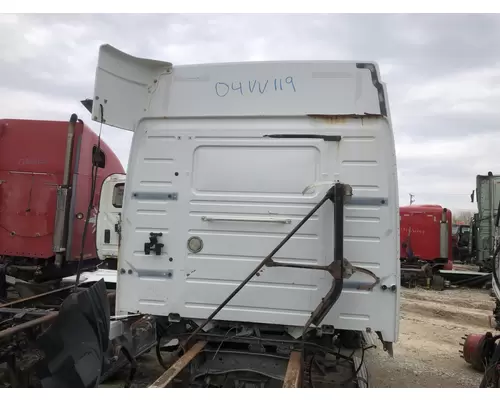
<point>209,161</point>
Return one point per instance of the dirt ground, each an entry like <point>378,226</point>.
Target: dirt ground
<point>431,326</point>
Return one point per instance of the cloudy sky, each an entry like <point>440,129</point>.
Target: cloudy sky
<point>442,73</point>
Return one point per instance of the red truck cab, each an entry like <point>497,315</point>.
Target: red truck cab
<point>45,187</point>
<point>426,234</point>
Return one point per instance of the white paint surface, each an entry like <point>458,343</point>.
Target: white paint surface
<point>212,152</point>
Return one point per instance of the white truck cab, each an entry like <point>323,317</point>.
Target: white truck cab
<point>226,160</point>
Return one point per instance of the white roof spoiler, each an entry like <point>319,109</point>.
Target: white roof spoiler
<point>123,86</point>
<point>129,89</point>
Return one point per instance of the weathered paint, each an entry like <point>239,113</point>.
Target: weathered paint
<point>341,119</point>
<point>32,155</point>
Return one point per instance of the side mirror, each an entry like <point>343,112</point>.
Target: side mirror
<point>98,157</point>
<point>472,197</point>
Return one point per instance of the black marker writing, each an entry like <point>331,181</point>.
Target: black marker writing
<point>222,89</point>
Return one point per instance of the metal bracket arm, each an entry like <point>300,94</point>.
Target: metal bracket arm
<point>337,194</point>
<point>335,270</point>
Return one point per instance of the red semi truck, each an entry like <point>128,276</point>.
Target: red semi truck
<point>426,241</point>
<point>45,190</point>
<point>426,234</point>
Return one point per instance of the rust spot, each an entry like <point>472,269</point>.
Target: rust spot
<point>341,119</point>
<point>331,119</point>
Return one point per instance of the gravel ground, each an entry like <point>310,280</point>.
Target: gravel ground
<point>431,327</point>
<point>426,355</point>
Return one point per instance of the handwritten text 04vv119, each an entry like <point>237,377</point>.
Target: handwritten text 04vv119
<point>222,89</point>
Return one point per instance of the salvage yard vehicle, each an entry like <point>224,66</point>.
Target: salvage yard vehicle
<point>426,243</point>
<point>46,177</point>
<point>260,215</point>
<point>483,223</point>
<point>482,351</point>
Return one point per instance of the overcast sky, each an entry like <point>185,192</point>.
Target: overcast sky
<point>442,73</point>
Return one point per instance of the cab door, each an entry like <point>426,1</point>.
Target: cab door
<point>109,216</point>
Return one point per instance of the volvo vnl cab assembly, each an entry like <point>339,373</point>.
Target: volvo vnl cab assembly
<point>260,215</point>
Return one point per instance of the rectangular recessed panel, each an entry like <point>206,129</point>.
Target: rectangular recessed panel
<point>254,170</point>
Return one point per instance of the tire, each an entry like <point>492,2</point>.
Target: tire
<point>437,282</point>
